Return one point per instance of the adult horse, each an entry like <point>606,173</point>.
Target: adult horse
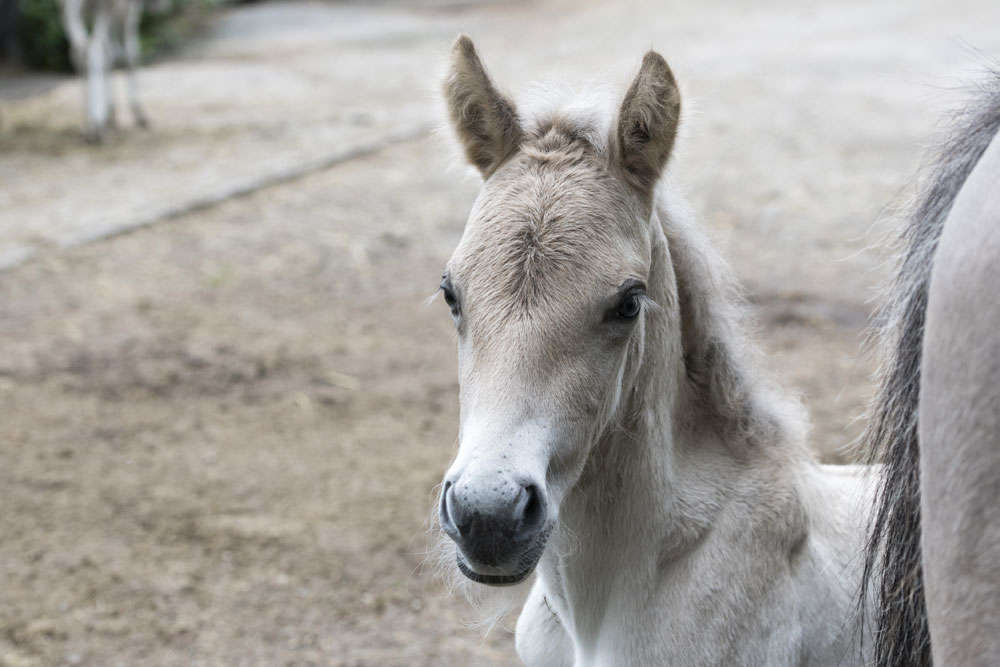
<point>615,433</point>
<point>933,559</point>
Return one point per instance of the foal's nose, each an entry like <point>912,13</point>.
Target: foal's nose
<point>492,519</point>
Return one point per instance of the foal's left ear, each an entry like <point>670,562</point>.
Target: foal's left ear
<point>647,121</point>
<point>485,121</point>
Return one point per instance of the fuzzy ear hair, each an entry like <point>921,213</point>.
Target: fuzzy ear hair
<point>485,121</point>
<point>647,121</point>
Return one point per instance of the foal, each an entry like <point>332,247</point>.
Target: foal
<point>615,436</point>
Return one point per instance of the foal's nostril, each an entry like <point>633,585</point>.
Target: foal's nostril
<point>445,514</point>
<point>533,509</point>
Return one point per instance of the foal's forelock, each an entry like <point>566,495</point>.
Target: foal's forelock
<point>551,226</point>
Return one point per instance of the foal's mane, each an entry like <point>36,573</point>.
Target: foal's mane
<point>892,582</point>
<point>721,359</point>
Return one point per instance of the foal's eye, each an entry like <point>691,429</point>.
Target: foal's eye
<point>449,297</point>
<point>630,297</point>
<point>630,306</point>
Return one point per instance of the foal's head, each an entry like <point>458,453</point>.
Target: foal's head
<point>551,289</point>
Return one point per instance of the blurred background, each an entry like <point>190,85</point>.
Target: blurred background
<point>224,401</point>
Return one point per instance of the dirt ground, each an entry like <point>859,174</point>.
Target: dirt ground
<point>221,433</point>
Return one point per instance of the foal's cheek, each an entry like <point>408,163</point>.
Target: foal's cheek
<point>583,402</point>
<point>566,459</point>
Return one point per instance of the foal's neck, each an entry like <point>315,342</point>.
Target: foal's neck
<point>654,483</point>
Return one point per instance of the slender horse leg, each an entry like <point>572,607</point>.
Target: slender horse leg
<point>133,12</point>
<point>98,90</point>
<point>959,426</point>
<point>113,53</point>
<point>76,32</point>
<point>80,49</point>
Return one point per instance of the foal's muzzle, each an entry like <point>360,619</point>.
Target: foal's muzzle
<point>498,525</point>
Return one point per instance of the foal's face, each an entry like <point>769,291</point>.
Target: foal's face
<point>547,290</point>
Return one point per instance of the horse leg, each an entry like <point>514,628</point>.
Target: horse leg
<point>80,49</point>
<point>112,57</point>
<point>959,427</point>
<point>98,90</point>
<point>76,32</point>
<point>133,13</point>
<point>541,639</point>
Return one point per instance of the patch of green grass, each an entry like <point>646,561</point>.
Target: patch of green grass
<point>41,36</point>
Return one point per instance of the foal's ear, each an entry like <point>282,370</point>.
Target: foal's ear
<point>485,121</point>
<point>647,121</point>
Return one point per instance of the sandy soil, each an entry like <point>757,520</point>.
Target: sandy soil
<point>221,433</point>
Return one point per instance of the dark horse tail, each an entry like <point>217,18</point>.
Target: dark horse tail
<point>892,593</point>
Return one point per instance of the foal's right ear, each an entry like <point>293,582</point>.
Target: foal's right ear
<point>647,121</point>
<point>485,121</point>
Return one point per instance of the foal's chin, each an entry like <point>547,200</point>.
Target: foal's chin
<point>520,568</point>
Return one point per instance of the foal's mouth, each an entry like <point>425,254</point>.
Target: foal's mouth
<point>526,563</point>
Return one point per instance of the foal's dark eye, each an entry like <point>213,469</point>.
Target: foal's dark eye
<point>449,296</point>
<point>630,306</point>
<point>630,297</point>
